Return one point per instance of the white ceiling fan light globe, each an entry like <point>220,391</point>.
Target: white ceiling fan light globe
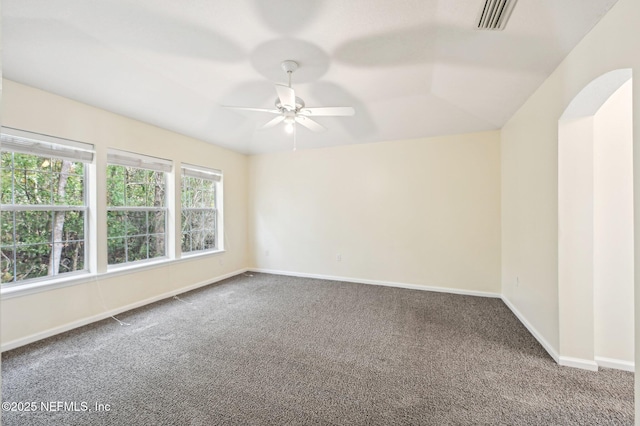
<point>289,121</point>
<point>288,127</point>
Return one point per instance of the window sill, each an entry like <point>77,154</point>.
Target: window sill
<point>45,285</point>
<point>141,265</point>
<point>84,278</point>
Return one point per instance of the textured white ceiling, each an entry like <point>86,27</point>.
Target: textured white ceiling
<point>410,68</point>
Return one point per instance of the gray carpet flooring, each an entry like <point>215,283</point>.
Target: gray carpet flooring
<point>274,350</point>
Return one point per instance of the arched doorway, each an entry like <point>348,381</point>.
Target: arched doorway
<point>595,226</point>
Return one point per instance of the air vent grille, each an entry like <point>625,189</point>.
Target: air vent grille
<point>495,14</point>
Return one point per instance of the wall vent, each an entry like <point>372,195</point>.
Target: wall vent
<point>495,14</point>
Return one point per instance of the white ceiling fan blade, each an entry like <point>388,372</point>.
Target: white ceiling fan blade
<point>272,111</point>
<point>287,96</point>
<point>310,124</point>
<point>273,122</point>
<point>328,111</point>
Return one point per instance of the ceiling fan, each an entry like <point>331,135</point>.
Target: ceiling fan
<point>291,110</point>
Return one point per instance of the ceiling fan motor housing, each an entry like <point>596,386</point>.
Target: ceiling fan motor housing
<point>282,108</point>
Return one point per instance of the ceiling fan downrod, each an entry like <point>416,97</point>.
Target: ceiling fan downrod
<point>289,67</point>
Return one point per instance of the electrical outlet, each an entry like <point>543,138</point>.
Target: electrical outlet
<point>339,257</point>
<point>266,253</point>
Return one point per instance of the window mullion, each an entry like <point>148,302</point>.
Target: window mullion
<point>147,234</point>
<point>15,249</point>
<point>53,183</point>
<point>13,179</point>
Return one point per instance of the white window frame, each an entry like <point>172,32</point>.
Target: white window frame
<point>140,161</point>
<point>36,144</point>
<point>215,176</point>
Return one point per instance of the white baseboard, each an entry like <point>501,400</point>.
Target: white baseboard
<point>75,324</point>
<point>618,364</point>
<point>377,282</point>
<point>584,364</point>
<point>546,345</point>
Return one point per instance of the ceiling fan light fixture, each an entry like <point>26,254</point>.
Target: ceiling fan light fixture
<point>288,127</point>
<point>289,122</point>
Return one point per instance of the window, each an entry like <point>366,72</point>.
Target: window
<point>136,207</point>
<point>43,206</point>
<point>201,209</point>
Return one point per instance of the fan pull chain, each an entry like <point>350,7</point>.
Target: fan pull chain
<point>294,138</point>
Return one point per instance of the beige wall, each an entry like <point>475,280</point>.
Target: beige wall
<point>530,168</point>
<point>575,243</point>
<point>613,228</point>
<point>423,212</point>
<point>37,314</point>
